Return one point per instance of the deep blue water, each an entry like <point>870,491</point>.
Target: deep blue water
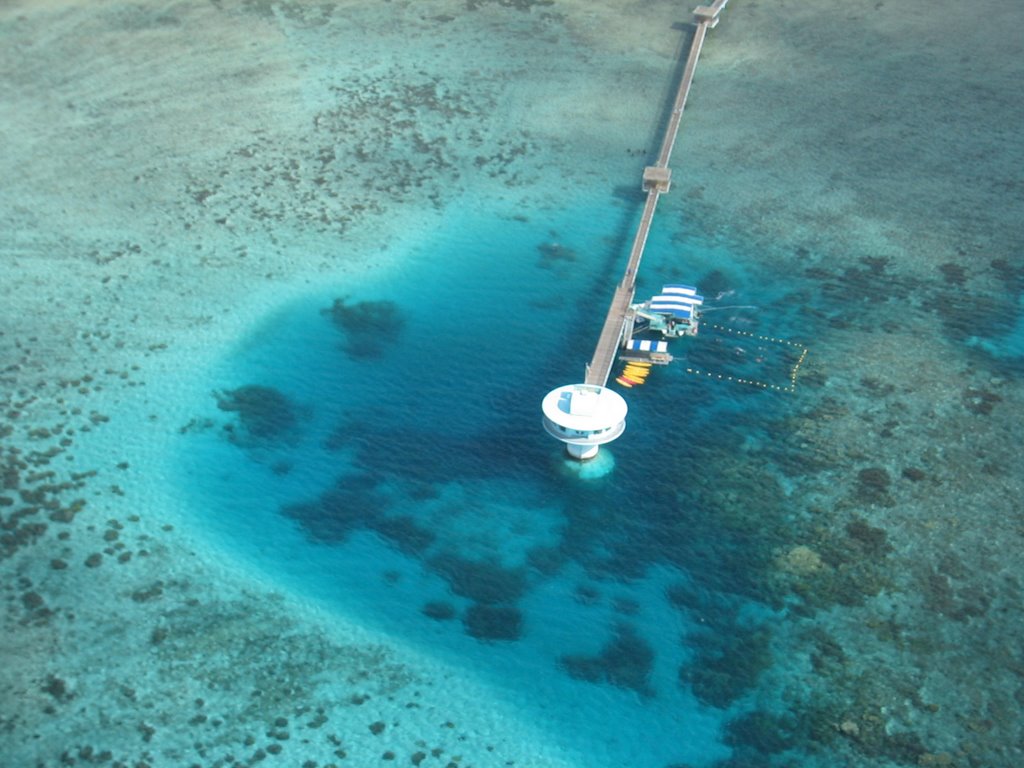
<point>388,458</point>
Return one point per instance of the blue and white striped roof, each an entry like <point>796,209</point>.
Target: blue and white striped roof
<point>677,300</point>
<point>647,345</point>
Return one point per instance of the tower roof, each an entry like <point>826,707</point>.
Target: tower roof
<point>584,407</point>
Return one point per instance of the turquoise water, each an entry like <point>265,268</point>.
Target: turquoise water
<point>398,465</point>
<point>284,285</point>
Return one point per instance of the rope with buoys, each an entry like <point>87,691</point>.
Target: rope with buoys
<point>705,310</point>
<point>793,372</point>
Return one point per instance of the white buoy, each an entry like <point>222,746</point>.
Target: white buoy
<point>584,417</point>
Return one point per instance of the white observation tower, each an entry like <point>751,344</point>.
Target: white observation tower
<point>584,417</point>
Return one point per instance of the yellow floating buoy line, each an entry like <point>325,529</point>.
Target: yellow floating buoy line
<point>754,382</point>
<point>739,380</point>
<point>748,334</point>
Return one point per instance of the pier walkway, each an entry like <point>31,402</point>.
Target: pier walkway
<point>656,180</point>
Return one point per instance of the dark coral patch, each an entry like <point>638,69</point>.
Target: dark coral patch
<point>873,486</point>
<point>546,560</point>
<point>965,314</point>
<point>480,580</point>
<point>404,532</point>
<point>439,610</point>
<point>352,504</point>
<point>954,274</point>
<point>625,661</point>
<point>874,479</point>
<point>264,412</point>
<point>493,622</point>
<point>366,324</point>
<point>716,282</point>
<point>765,733</point>
<point>871,539</point>
<point>980,401</point>
<point>554,252</point>
<point>728,663</point>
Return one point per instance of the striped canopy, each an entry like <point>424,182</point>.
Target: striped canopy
<point>647,345</point>
<point>677,300</point>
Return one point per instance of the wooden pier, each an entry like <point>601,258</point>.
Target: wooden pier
<point>657,179</point>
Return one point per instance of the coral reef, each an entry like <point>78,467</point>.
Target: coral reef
<point>484,582</point>
<point>265,413</point>
<point>368,325</point>
<point>624,661</point>
<point>487,621</point>
<point>727,664</point>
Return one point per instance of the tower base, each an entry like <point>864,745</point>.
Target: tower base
<point>582,452</point>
